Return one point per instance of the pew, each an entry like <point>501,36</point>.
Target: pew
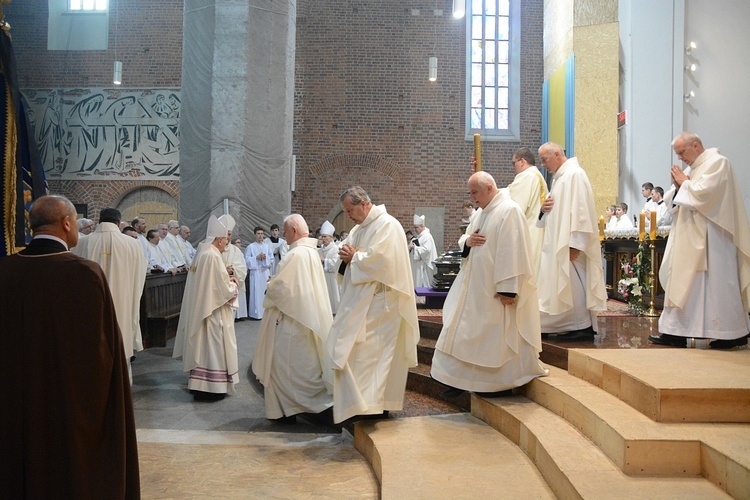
<point>160,307</point>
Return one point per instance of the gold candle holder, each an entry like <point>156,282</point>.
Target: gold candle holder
<point>477,153</point>
<point>651,311</point>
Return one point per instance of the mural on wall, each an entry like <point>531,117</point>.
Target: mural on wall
<point>107,133</point>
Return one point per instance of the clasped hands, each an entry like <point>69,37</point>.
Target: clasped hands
<point>346,252</point>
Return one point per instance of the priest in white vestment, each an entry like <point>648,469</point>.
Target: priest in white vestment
<point>571,280</point>
<point>158,260</point>
<point>289,359</point>
<point>529,190</point>
<point>172,241</point>
<point>491,336</point>
<point>205,334</point>
<point>706,267</point>
<point>236,266</point>
<point>188,251</point>
<point>259,260</point>
<point>423,254</point>
<point>121,258</point>
<point>329,256</point>
<point>373,340</point>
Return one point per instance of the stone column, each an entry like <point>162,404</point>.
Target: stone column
<point>237,112</point>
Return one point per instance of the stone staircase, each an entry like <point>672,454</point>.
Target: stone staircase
<point>630,423</point>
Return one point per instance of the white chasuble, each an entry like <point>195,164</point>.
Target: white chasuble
<point>205,334</point>
<point>373,339</point>
<point>289,358</point>
<point>484,345</point>
<point>570,293</point>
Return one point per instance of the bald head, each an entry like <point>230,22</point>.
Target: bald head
<point>54,215</point>
<point>482,188</point>
<point>295,228</point>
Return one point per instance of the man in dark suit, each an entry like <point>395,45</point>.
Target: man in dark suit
<point>67,425</point>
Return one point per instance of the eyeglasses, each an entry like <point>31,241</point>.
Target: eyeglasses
<point>513,162</point>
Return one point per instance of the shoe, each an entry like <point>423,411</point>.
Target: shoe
<point>728,344</point>
<point>291,420</point>
<point>375,416</point>
<point>207,396</point>
<point>496,394</point>
<point>667,339</point>
<point>575,336</point>
<point>451,392</point>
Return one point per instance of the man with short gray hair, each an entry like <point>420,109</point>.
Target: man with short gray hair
<point>373,340</point>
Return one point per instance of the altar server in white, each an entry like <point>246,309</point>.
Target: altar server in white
<point>329,256</point>
<point>236,266</point>
<point>706,267</point>
<point>373,340</point>
<point>289,359</point>
<point>491,336</point>
<point>423,254</point>
<point>122,260</point>
<point>205,334</point>
<point>259,260</point>
<point>571,280</point>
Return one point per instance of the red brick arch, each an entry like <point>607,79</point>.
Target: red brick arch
<point>337,161</point>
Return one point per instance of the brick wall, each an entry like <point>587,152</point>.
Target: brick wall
<point>366,114</point>
<point>364,110</point>
<point>149,44</point>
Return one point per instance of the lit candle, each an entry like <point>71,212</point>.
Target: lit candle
<point>601,228</point>
<point>652,233</point>
<point>477,153</point>
<point>641,226</point>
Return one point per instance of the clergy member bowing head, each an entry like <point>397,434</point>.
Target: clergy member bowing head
<point>356,204</point>
<point>482,188</point>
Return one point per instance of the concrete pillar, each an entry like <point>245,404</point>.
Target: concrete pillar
<point>237,112</point>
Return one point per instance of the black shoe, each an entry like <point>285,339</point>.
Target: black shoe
<point>132,358</point>
<point>375,416</point>
<point>584,335</point>
<point>667,339</point>
<point>451,392</point>
<point>207,396</point>
<point>496,394</point>
<point>291,420</point>
<point>728,344</point>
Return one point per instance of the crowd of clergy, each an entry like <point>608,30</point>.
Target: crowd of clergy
<point>338,313</point>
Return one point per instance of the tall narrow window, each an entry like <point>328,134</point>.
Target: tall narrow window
<point>87,5</point>
<point>493,94</point>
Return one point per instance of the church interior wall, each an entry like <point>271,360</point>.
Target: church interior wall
<point>361,88</point>
<point>654,82</point>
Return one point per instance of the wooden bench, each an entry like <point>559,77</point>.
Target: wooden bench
<point>160,307</point>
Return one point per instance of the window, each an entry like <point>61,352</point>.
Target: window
<point>493,54</point>
<point>87,5</point>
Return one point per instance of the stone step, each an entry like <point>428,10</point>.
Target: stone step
<point>430,329</point>
<point>572,464</point>
<point>419,380</point>
<point>641,447</point>
<point>671,385</point>
<point>446,456</point>
<point>425,350</point>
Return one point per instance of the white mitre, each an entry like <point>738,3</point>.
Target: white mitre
<point>418,220</point>
<point>327,229</point>
<point>228,221</point>
<point>215,230</point>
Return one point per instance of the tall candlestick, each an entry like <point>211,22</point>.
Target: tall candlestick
<point>652,232</point>
<point>601,228</point>
<point>477,153</point>
<point>641,226</point>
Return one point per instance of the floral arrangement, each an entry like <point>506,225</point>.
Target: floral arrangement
<point>634,278</point>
